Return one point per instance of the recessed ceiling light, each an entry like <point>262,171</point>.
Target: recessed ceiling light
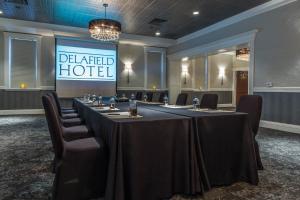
<point>196,13</point>
<point>185,59</point>
<point>1,12</point>
<point>221,50</point>
<point>157,33</point>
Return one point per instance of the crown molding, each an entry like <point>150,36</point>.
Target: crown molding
<point>266,7</point>
<point>213,46</point>
<point>53,30</point>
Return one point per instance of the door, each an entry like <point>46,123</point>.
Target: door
<point>241,85</point>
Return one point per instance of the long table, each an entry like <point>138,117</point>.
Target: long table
<point>226,144</point>
<point>172,151</point>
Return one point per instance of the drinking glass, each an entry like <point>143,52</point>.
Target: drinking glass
<point>100,102</point>
<point>166,100</point>
<point>145,98</point>
<point>112,103</point>
<point>196,103</point>
<point>132,108</point>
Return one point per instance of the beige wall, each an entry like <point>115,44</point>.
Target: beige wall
<point>135,56</point>
<point>277,45</point>
<point>154,70</point>
<point>215,62</point>
<point>126,53</point>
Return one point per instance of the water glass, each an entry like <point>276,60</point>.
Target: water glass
<point>166,100</point>
<point>196,103</point>
<point>112,103</point>
<point>132,108</point>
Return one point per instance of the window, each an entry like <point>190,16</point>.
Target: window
<point>155,68</point>
<point>22,61</point>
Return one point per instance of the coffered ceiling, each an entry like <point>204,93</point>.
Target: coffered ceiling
<point>135,15</point>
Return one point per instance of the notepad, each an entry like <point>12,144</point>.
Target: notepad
<point>120,115</point>
<point>105,108</point>
<point>176,106</point>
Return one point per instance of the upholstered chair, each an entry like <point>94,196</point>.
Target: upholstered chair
<point>209,101</point>
<point>73,129</point>
<point>139,96</point>
<point>66,112</point>
<point>149,96</point>
<point>181,99</point>
<point>252,104</point>
<point>81,164</point>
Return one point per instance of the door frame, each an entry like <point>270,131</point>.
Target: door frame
<point>234,72</point>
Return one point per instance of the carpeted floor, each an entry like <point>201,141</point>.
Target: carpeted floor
<point>25,157</point>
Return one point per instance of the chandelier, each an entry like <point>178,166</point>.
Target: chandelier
<point>105,29</point>
<point>243,54</point>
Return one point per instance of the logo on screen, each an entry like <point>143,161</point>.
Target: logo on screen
<point>74,63</point>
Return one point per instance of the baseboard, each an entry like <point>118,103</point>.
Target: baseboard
<point>280,126</point>
<point>22,112</point>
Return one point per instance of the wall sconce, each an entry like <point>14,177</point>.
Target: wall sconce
<point>184,72</point>
<point>222,74</point>
<point>128,68</point>
<point>23,85</point>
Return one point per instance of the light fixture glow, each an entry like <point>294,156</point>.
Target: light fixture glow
<point>128,68</point>
<point>1,12</point>
<point>185,59</point>
<point>184,72</point>
<point>196,13</point>
<point>222,74</point>
<point>157,33</point>
<point>105,29</point>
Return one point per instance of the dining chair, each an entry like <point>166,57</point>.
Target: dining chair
<point>252,105</point>
<point>161,97</point>
<point>71,130</point>
<point>181,99</point>
<point>149,96</point>
<point>62,110</point>
<point>67,115</point>
<point>139,96</point>
<point>209,101</point>
<point>81,164</point>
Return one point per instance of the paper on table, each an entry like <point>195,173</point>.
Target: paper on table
<point>151,103</point>
<point>218,111</point>
<point>120,115</point>
<point>176,106</point>
<point>105,108</point>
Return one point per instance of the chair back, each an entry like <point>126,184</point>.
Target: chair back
<point>139,96</point>
<point>181,99</point>
<point>251,104</point>
<point>55,97</point>
<point>149,96</point>
<point>54,102</point>
<point>54,126</point>
<point>209,101</point>
<point>161,97</point>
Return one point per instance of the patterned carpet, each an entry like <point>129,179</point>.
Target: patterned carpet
<point>25,157</point>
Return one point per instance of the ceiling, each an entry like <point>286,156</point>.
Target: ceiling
<point>134,15</point>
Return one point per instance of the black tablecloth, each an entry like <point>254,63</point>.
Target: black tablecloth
<point>151,158</point>
<point>226,145</point>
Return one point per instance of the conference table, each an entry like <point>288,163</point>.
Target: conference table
<point>167,151</point>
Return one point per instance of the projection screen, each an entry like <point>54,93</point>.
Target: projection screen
<point>85,67</point>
